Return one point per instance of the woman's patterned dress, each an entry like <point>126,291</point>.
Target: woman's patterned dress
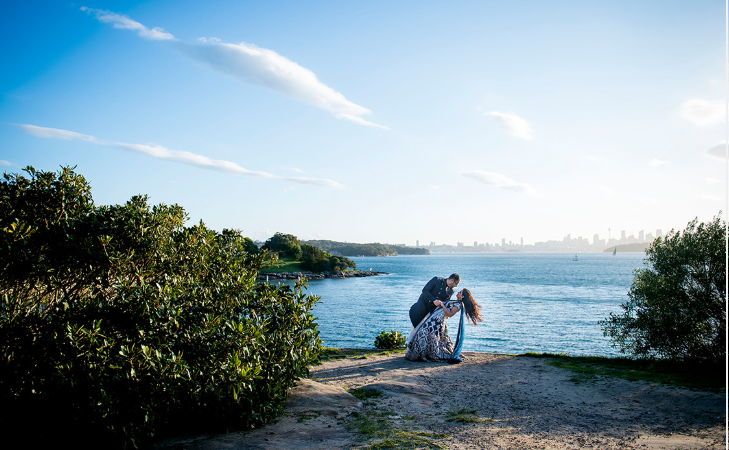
<point>431,341</point>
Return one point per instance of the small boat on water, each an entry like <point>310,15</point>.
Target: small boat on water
<point>576,258</point>
<point>615,250</point>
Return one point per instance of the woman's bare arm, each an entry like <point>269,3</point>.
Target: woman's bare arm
<point>448,312</point>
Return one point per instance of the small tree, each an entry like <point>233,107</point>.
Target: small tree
<point>287,244</point>
<point>676,308</point>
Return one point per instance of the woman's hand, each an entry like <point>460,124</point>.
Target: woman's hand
<point>438,303</point>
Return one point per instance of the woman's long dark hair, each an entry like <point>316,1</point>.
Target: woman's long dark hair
<point>473,309</point>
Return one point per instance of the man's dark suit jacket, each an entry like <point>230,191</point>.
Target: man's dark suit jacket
<point>436,289</point>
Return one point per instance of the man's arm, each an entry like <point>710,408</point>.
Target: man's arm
<point>427,294</point>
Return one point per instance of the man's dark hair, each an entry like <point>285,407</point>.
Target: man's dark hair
<point>455,277</point>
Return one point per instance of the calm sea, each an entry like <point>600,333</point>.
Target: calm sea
<point>530,302</point>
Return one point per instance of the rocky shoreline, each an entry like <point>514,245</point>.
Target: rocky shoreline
<point>266,276</point>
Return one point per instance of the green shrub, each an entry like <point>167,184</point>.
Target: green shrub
<point>677,305</point>
<point>286,244</point>
<point>316,260</point>
<point>390,341</point>
<point>119,324</point>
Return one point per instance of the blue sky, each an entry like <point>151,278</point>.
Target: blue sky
<point>378,121</point>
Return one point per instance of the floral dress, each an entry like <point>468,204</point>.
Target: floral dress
<point>430,341</point>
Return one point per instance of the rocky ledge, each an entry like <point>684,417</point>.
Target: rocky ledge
<point>265,276</point>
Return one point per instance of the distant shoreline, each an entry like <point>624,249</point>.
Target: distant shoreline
<point>265,276</point>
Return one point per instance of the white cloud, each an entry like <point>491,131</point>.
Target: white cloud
<point>658,162</point>
<point>513,124</point>
<point>501,181</point>
<point>254,65</point>
<point>266,68</point>
<point>55,133</point>
<point>5,163</point>
<point>714,181</point>
<point>158,151</point>
<point>718,151</point>
<point>125,23</point>
<point>605,190</point>
<point>704,112</point>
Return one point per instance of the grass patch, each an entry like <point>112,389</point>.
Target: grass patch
<point>377,427</point>
<point>684,374</point>
<point>331,353</point>
<point>284,265</point>
<point>365,394</point>
<point>465,416</point>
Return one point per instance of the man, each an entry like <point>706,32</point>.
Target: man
<point>437,289</point>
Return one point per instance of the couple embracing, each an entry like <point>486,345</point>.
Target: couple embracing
<point>429,339</point>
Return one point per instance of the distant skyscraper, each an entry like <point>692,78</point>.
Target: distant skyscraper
<point>417,243</point>
<point>503,242</point>
<point>595,239</point>
<point>475,244</point>
<point>622,235</point>
<point>641,237</point>
<point>659,233</point>
<point>522,242</point>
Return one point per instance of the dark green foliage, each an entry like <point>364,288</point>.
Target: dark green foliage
<point>317,260</point>
<point>118,324</point>
<point>250,246</point>
<point>286,244</point>
<point>350,249</point>
<point>391,340</point>
<point>676,307</point>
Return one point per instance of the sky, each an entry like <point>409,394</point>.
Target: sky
<point>378,121</point>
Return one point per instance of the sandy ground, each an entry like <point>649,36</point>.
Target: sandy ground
<point>513,403</point>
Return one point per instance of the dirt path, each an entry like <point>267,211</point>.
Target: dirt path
<point>492,401</point>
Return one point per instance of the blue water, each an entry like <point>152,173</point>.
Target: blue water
<point>530,302</point>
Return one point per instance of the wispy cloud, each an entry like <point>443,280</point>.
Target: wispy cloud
<point>5,163</point>
<point>718,151</point>
<point>266,68</point>
<point>253,65</point>
<point>158,151</point>
<point>125,23</point>
<point>704,112</point>
<point>500,181</point>
<point>513,124</point>
<point>658,162</point>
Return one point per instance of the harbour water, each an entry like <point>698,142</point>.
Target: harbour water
<point>530,302</point>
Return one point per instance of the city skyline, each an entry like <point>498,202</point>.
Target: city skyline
<point>594,240</point>
<point>377,121</point>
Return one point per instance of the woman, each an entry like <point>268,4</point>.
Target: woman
<point>429,341</point>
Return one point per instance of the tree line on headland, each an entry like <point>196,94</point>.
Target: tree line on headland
<point>376,249</point>
<point>327,256</point>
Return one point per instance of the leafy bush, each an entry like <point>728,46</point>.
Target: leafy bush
<point>390,341</point>
<point>119,324</point>
<point>287,244</point>
<point>320,261</point>
<point>676,308</point>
